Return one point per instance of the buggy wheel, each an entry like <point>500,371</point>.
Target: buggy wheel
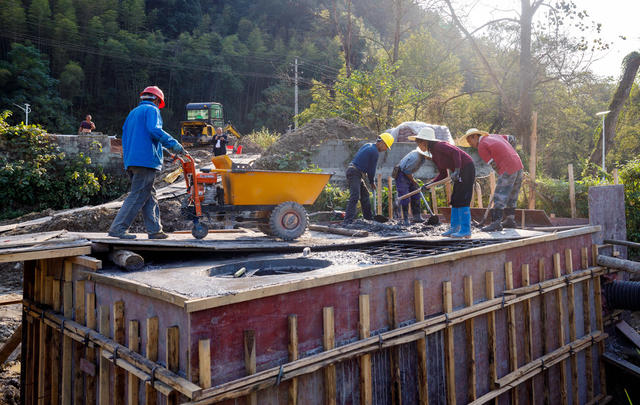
<point>199,230</point>
<point>288,220</point>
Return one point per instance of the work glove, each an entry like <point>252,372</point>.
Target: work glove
<point>455,176</point>
<point>493,165</point>
<point>178,150</point>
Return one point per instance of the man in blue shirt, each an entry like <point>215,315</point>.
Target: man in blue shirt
<point>142,142</point>
<point>364,163</point>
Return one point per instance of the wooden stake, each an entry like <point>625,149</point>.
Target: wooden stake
<point>586,310</point>
<point>293,355</point>
<point>528,334</point>
<point>557,272</point>
<point>421,345</point>
<point>572,328</point>
<point>479,194</point>
<point>55,343</point>
<point>204,363</point>
<point>366,390</point>
<point>91,352</point>
<point>471,346</point>
<point>449,359</point>
<point>250,361</point>
<point>572,191</point>
<point>151,350</point>
<point>492,184</point>
<point>543,329</point>
<point>511,330</point>
<point>173,357</point>
<point>533,160</point>
<point>133,384</point>
<point>43,347</point>
<point>473,196</point>
<point>329,342</point>
<point>78,375</point>
<point>394,352</point>
<point>103,380</point>
<point>390,196</point>
<point>119,376</point>
<point>434,201</point>
<point>616,179</point>
<point>448,191</point>
<point>597,302</point>
<point>67,347</point>
<point>491,333</point>
<point>379,192</point>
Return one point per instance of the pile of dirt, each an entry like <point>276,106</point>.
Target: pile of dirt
<point>309,136</point>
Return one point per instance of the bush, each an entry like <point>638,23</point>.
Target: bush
<point>261,139</point>
<point>630,177</point>
<point>36,175</point>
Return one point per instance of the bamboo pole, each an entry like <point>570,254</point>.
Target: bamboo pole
<point>511,330</point>
<point>586,316</point>
<point>557,272</point>
<point>470,332</point>
<point>543,330</point>
<point>421,345</point>
<point>449,357</point>
<point>528,333</point>
<point>364,326</point>
<point>572,191</point>
<point>572,328</point>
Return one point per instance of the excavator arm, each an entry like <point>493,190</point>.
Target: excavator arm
<point>229,128</point>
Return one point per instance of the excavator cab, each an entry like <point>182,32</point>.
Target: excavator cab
<point>201,122</point>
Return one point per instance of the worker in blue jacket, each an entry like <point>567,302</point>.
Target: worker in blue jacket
<point>142,142</point>
<point>364,165</point>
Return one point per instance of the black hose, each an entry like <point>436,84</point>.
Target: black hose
<point>623,295</point>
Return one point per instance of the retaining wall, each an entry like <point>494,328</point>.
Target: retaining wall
<point>104,150</point>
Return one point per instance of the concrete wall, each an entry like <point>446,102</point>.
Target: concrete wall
<point>334,156</point>
<point>104,150</point>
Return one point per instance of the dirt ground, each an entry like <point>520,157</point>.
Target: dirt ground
<point>10,318</point>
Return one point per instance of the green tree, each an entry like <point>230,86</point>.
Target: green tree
<point>39,15</point>
<point>12,16</point>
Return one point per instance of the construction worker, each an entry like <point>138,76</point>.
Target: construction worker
<point>142,142</point>
<point>463,175</point>
<point>405,182</point>
<point>220,139</point>
<point>364,165</point>
<point>86,126</point>
<point>498,151</point>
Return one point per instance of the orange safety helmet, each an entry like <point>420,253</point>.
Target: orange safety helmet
<point>155,90</point>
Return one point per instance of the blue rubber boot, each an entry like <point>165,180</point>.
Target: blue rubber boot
<point>464,214</point>
<point>455,222</point>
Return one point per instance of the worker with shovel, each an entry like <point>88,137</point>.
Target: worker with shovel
<point>364,165</point>
<point>405,182</point>
<point>142,142</point>
<point>498,151</point>
<point>463,175</point>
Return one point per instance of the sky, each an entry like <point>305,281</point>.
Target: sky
<point>618,18</point>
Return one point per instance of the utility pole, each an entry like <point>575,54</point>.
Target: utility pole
<point>26,109</point>
<point>295,108</point>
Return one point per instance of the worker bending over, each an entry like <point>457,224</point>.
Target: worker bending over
<point>463,175</point>
<point>405,182</point>
<point>498,151</point>
<point>142,142</point>
<point>364,165</point>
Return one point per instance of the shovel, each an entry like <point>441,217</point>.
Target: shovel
<point>378,217</point>
<point>433,219</point>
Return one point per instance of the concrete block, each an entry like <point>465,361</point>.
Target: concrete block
<point>606,208</point>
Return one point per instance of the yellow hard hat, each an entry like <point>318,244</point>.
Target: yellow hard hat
<point>387,138</point>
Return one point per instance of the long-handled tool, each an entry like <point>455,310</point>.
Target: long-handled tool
<point>433,219</point>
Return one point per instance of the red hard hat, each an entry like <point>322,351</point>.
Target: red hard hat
<point>155,90</point>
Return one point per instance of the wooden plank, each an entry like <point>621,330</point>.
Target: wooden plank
<point>491,333</point>
<point>597,301</point>
<point>66,389</point>
<point>292,322</point>
<point>448,190</point>
<point>45,254</point>
<point>250,361</point>
<point>173,358</point>
<point>104,378</point>
<point>528,333</point>
<point>44,344</point>
<point>421,345</point>
<point>390,197</point>
<point>10,344</point>
<point>10,299</point>
<point>543,331</point>
<point>119,375</point>
<point>492,185</point>
<point>329,342</point>
<point>91,323</point>
<point>572,191</point>
<point>394,352</point>
<point>133,383</point>
<point>434,201</point>
<point>479,195</point>
<point>629,332</point>
<point>86,262</point>
<point>78,350</point>
<point>379,194</point>
<point>449,357</point>
<point>364,331</point>
<point>204,363</point>
<point>616,178</point>
<point>572,328</point>
<point>199,304</point>
<point>471,345</point>
<point>151,352</point>
<point>586,311</point>
<point>557,272</point>
<point>511,330</point>
<point>56,303</point>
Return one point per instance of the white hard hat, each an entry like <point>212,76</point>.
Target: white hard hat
<point>427,134</point>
